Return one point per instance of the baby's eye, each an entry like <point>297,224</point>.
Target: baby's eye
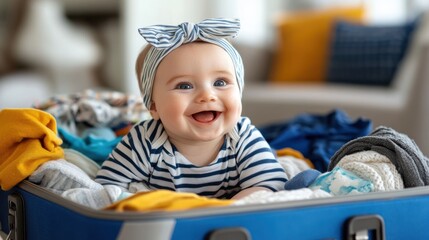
<point>220,83</point>
<point>184,86</point>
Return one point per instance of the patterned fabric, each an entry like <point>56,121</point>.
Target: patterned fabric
<point>339,182</point>
<point>165,38</point>
<point>84,110</point>
<point>367,55</point>
<point>146,156</point>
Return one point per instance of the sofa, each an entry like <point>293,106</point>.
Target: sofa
<point>400,105</point>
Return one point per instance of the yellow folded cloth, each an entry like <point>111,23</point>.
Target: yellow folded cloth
<point>28,138</point>
<point>166,200</point>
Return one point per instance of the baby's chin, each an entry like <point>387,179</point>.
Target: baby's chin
<point>210,136</point>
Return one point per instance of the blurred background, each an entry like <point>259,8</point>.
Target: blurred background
<point>291,50</point>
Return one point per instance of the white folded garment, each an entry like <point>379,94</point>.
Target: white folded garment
<point>71,182</point>
<point>282,196</point>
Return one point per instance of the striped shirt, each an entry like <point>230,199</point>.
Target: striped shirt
<point>146,156</point>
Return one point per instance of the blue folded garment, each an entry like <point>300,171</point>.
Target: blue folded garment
<point>302,179</point>
<point>317,137</point>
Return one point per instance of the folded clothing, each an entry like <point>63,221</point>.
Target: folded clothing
<point>317,137</point>
<point>29,138</point>
<point>88,165</point>
<point>95,198</point>
<point>71,182</point>
<point>94,147</point>
<point>292,165</point>
<point>293,153</point>
<point>375,168</point>
<point>402,151</point>
<point>292,161</point>
<point>281,196</point>
<point>302,179</point>
<point>60,175</point>
<point>165,200</point>
<point>339,182</point>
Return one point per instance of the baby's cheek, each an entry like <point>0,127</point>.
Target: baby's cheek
<point>236,108</point>
<point>236,100</point>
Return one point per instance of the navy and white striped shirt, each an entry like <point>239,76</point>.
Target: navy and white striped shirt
<point>146,156</point>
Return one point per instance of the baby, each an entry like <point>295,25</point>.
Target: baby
<point>191,80</point>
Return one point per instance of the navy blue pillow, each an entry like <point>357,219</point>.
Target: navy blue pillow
<point>367,55</point>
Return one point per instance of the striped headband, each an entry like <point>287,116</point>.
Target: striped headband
<point>166,38</point>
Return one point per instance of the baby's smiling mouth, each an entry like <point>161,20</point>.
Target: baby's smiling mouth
<point>206,116</point>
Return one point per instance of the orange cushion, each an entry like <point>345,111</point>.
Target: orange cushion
<point>303,44</point>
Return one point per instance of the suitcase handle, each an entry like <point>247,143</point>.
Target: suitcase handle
<point>358,227</point>
<point>237,233</point>
<point>16,217</point>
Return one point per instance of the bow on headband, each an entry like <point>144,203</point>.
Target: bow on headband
<point>166,38</point>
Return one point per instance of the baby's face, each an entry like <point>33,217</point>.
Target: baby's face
<point>195,93</point>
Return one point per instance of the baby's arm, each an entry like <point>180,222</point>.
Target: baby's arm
<point>257,166</point>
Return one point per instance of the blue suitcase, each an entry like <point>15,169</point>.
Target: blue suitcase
<point>31,212</point>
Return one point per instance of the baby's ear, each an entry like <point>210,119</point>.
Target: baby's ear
<point>153,111</point>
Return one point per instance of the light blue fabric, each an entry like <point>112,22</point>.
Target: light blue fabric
<point>342,182</point>
<point>99,132</point>
<point>96,148</point>
<point>166,38</point>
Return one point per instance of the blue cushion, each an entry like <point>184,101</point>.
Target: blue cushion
<point>368,55</point>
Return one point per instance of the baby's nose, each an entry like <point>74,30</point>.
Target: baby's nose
<point>206,95</point>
